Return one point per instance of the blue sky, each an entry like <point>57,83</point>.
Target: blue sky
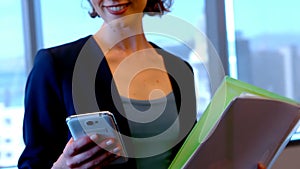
<point>11,29</point>
<point>267,16</point>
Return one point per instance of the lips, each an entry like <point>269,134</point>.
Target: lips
<point>117,9</point>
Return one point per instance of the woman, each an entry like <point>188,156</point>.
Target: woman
<point>133,79</point>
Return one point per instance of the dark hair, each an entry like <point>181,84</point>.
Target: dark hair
<point>153,7</point>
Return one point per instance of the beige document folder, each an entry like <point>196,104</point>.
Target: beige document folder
<point>251,130</point>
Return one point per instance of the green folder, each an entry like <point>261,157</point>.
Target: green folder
<point>228,90</point>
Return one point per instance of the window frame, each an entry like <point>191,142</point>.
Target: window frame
<point>32,26</point>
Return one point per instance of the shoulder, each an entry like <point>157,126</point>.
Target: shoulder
<point>71,47</point>
<point>62,52</point>
<point>60,58</point>
<point>54,62</point>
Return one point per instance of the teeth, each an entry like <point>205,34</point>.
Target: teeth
<point>117,8</point>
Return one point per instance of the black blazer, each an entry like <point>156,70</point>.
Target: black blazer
<point>75,78</point>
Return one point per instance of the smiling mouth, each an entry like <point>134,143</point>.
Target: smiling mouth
<point>117,9</point>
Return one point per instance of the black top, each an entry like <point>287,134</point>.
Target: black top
<point>75,78</point>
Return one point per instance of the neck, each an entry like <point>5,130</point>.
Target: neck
<point>124,34</point>
<point>133,43</point>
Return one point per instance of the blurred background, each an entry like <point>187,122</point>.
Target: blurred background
<point>258,42</point>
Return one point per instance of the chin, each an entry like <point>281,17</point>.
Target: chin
<point>127,21</point>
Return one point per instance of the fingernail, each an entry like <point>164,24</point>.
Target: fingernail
<point>109,142</point>
<point>94,137</point>
<point>115,150</point>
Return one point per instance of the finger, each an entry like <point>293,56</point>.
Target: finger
<point>261,166</point>
<point>69,143</point>
<point>103,159</point>
<point>74,147</point>
<point>89,155</point>
<point>105,143</point>
<point>97,138</point>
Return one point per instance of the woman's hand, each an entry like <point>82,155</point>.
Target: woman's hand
<point>88,152</point>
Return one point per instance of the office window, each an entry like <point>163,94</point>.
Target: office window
<point>66,21</point>
<point>12,81</point>
<point>267,44</point>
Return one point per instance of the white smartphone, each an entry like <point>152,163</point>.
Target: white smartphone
<point>102,123</point>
